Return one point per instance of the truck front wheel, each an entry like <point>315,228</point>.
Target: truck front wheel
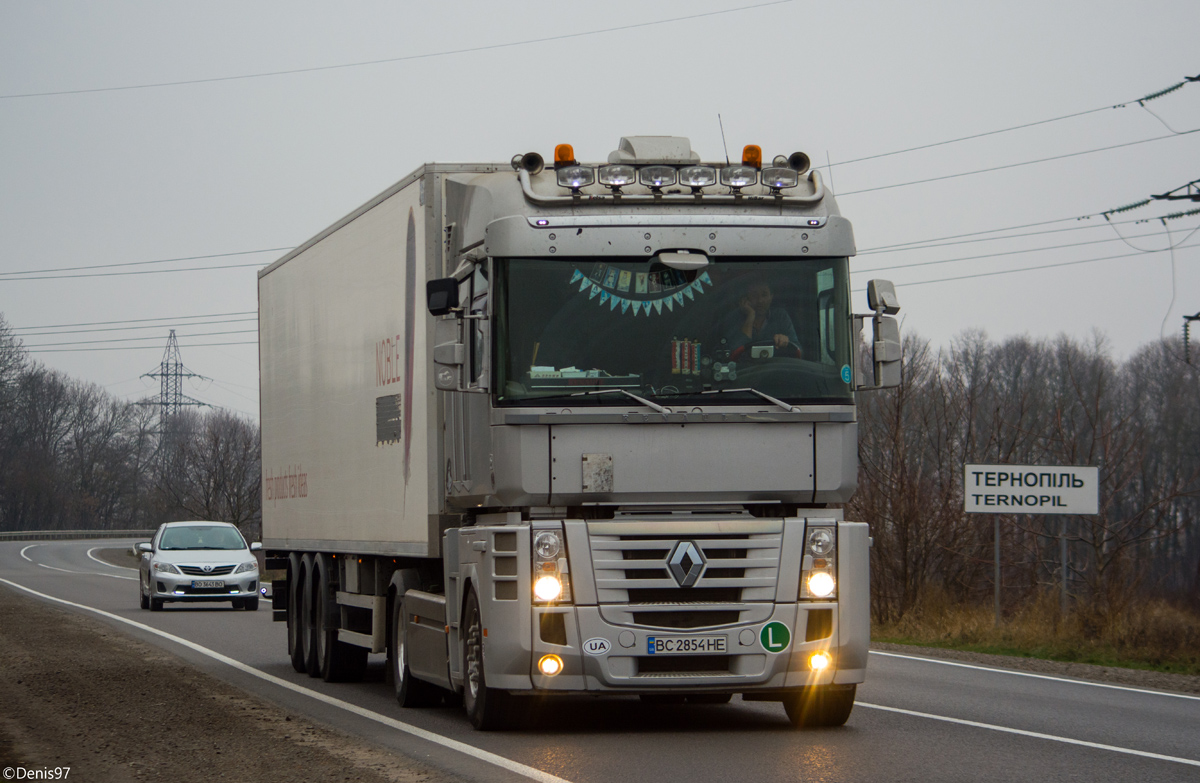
<point>487,708</point>
<point>820,705</point>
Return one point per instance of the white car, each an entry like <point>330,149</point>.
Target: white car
<point>198,561</point>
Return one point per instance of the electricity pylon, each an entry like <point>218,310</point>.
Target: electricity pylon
<point>171,373</point>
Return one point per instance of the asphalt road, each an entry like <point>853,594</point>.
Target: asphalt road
<point>916,719</point>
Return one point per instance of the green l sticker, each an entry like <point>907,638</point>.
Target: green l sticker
<point>775,637</point>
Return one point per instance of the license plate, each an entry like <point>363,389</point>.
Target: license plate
<point>208,583</point>
<point>685,645</point>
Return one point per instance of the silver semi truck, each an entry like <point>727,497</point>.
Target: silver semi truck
<point>535,429</point>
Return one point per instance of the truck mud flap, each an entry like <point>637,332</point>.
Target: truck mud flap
<point>428,653</point>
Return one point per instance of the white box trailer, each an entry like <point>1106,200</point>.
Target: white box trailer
<point>574,430</point>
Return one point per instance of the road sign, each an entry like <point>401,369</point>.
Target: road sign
<point>1030,489</point>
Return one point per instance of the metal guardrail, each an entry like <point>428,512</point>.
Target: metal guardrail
<point>44,535</point>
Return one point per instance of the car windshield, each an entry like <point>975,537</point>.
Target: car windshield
<point>779,326</point>
<point>201,537</point>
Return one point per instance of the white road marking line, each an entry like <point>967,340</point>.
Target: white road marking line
<point>84,573</point>
<point>462,747</point>
<point>26,549</point>
<point>1038,676</point>
<point>101,562</point>
<point>1034,734</point>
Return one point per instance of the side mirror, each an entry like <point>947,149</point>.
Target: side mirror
<point>449,352</point>
<point>886,348</point>
<point>441,295</point>
<point>256,546</point>
<point>887,352</point>
<point>145,546</point>
<point>881,297</point>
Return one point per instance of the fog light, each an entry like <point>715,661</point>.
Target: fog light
<point>820,584</point>
<point>550,665</point>
<point>547,588</point>
<point>818,662</point>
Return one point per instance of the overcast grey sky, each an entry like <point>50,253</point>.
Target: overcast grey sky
<point>249,164</point>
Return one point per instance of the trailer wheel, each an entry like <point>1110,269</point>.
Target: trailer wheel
<point>295,598</point>
<point>487,708</point>
<point>820,706</point>
<point>335,661</point>
<point>410,692</point>
<point>308,616</point>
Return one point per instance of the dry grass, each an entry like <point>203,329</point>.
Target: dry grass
<point>1148,635</point>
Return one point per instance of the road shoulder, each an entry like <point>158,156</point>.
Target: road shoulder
<point>78,693</point>
<point>1135,678</point>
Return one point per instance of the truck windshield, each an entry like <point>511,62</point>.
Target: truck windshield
<point>776,325</point>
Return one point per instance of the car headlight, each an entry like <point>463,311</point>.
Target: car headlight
<point>244,567</point>
<point>818,573</point>
<point>165,568</point>
<point>551,578</point>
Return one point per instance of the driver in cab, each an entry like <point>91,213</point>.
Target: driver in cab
<point>756,323</point>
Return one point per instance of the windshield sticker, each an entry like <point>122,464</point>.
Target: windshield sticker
<point>846,373</point>
<point>668,287</point>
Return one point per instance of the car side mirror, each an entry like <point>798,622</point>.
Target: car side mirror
<point>442,295</point>
<point>256,546</point>
<point>145,546</point>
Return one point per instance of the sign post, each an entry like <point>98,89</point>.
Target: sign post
<point>1031,489</point>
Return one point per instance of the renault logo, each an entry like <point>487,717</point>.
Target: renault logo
<point>686,563</point>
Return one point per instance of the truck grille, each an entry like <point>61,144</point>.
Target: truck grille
<point>636,580</point>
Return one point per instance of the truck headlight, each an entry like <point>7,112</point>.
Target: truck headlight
<point>818,573</point>
<point>821,584</point>
<point>551,573</point>
<point>547,588</point>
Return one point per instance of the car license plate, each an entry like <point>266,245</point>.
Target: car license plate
<point>208,583</point>
<point>685,645</point>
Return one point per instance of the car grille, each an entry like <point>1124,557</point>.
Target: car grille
<point>633,575</point>
<point>198,571</point>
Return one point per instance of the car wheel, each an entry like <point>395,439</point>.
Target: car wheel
<point>237,603</point>
<point>145,599</point>
<point>250,604</point>
<point>156,604</point>
<point>487,708</point>
<point>410,692</point>
<point>821,705</point>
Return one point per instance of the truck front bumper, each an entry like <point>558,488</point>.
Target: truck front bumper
<point>771,655</point>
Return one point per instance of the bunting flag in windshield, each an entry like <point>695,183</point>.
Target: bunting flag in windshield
<point>642,293</point>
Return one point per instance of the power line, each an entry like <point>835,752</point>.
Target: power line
<point>126,274</point>
<point>133,328</point>
<point>1017,165</point>
<point>138,320</point>
<point>138,347</point>
<point>405,58</point>
<point>1139,101</point>
<point>140,339</point>
<point>920,244</point>
<point>1031,268</point>
<point>1012,253</point>
<point>140,263</point>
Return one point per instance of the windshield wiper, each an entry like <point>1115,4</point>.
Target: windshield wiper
<point>764,395</point>
<point>642,400</point>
